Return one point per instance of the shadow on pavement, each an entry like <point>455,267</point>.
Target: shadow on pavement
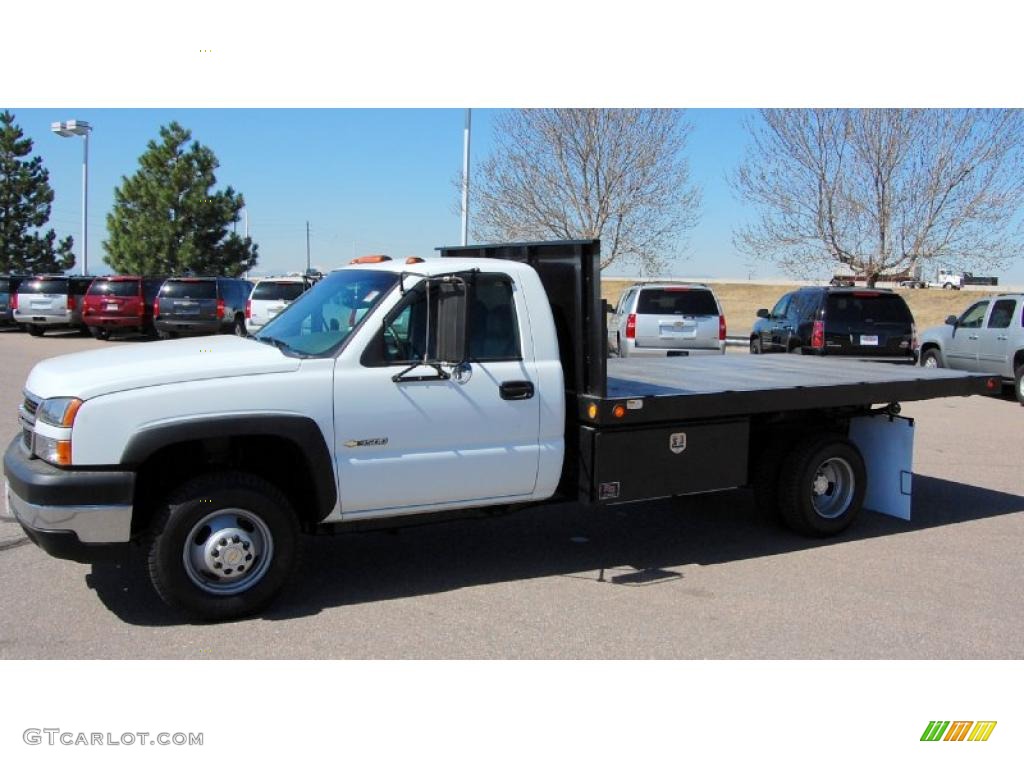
<point>642,545</point>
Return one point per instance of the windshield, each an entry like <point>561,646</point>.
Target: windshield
<point>324,316</point>
<point>271,291</point>
<point>676,301</point>
<point>861,307</point>
<point>45,285</point>
<point>189,289</point>
<point>102,287</point>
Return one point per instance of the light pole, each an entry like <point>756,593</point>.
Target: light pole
<point>83,129</point>
<point>465,176</point>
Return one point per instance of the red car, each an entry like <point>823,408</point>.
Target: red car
<point>121,303</point>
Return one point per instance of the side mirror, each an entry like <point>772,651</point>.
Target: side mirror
<point>951,320</point>
<point>609,309</point>
<point>763,313</point>
<point>451,321</point>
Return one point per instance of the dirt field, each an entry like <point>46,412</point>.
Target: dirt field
<point>740,301</point>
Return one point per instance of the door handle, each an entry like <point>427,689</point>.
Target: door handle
<point>1002,338</point>
<point>516,390</point>
<point>973,337</point>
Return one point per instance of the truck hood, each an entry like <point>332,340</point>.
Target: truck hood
<point>937,333</point>
<point>134,365</point>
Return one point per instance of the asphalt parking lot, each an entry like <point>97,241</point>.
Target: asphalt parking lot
<point>704,577</point>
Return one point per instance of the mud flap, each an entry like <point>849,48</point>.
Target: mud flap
<point>887,445</point>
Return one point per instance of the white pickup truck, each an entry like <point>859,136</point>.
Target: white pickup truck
<point>393,391</point>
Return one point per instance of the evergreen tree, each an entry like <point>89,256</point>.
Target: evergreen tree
<point>25,198</point>
<point>167,219</point>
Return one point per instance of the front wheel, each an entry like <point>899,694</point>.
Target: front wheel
<point>822,485</point>
<point>755,346</point>
<point>223,545</point>
<point>1018,383</point>
<point>931,358</point>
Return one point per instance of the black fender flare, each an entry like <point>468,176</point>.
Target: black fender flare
<point>300,430</point>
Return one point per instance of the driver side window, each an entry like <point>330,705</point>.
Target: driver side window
<point>779,311</point>
<point>405,331</point>
<point>973,316</point>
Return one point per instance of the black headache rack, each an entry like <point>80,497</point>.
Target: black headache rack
<point>654,428</point>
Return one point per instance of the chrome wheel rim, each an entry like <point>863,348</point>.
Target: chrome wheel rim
<point>228,551</point>
<point>832,488</point>
<point>931,362</point>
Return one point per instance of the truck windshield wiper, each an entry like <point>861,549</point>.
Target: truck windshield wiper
<point>284,346</point>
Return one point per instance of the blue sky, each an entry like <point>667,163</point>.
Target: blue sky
<point>367,180</point>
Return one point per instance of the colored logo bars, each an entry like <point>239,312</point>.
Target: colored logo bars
<point>958,730</point>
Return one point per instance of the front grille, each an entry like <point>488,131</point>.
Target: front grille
<point>29,408</point>
<point>27,414</point>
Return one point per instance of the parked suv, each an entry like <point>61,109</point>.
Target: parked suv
<point>673,320</point>
<point>988,338</point>
<point>51,301</point>
<point>9,297</point>
<point>872,323</point>
<point>269,297</point>
<point>120,303</point>
<point>198,306</point>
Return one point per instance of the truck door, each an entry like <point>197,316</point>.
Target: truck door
<point>993,352</point>
<point>407,437</point>
<point>777,336</point>
<point>962,351</point>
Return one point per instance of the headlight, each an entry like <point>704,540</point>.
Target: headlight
<point>53,450</point>
<point>59,411</point>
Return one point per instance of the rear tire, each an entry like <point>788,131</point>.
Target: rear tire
<point>164,335</point>
<point>223,545</point>
<point>822,485</point>
<point>100,333</point>
<point>239,327</point>
<point>932,358</point>
<point>1018,384</point>
<point>35,330</point>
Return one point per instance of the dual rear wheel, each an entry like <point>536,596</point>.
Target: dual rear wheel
<point>816,484</point>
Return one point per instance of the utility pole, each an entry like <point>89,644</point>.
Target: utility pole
<point>307,247</point>
<point>465,176</point>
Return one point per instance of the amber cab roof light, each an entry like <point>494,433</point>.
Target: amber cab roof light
<point>414,260</point>
<point>375,259</point>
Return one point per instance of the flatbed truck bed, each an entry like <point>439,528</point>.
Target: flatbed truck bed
<point>651,428</point>
<point>713,386</point>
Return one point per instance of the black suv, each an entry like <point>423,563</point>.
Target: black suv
<point>9,296</point>
<point>870,323</point>
<point>198,306</point>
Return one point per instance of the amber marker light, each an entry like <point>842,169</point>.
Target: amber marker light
<point>619,411</point>
<point>592,411</point>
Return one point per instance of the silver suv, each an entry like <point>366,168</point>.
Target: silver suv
<point>667,320</point>
<point>988,338</point>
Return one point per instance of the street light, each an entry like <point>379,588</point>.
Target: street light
<point>80,128</point>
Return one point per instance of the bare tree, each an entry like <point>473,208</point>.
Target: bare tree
<point>882,190</point>
<point>616,174</point>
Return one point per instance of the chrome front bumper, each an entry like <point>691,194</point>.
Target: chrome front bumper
<point>92,524</point>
